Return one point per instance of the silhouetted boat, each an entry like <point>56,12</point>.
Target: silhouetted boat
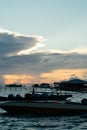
<point>44,107</point>
<point>41,95</point>
<point>34,97</point>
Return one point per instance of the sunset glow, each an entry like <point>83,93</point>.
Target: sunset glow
<point>19,79</point>
<point>65,74</point>
<point>42,41</point>
<point>56,75</point>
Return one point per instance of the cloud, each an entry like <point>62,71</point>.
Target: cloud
<point>31,50</point>
<point>42,67</point>
<point>81,50</point>
<point>38,63</point>
<point>64,74</point>
<point>13,43</point>
<point>20,57</point>
<point>22,79</point>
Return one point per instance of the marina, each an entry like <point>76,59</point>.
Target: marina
<point>29,121</point>
<point>43,101</point>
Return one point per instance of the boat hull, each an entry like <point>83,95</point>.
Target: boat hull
<point>43,108</point>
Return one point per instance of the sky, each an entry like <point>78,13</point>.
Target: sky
<point>42,40</point>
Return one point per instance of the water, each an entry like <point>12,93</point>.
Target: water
<point>9,122</point>
<point>27,122</point>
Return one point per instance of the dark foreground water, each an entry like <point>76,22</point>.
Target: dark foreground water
<point>27,122</point>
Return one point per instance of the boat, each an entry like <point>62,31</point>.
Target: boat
<point>46,92</point>
<point>35,97</point>
<point>44,107</point>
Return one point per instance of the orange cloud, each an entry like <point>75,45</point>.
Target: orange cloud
<point>63,74</point>
<point>22,79</point>
<point>53,76</point>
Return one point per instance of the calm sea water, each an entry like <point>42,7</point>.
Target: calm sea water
<point>27,122</point>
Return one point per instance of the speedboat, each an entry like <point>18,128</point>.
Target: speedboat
<point>44,107</point>
<point>38,93</point>
<point>35,97</point>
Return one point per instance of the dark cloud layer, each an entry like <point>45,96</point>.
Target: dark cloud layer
<point>40,62</point>
<point>12,43</point>
<point>36,63</point>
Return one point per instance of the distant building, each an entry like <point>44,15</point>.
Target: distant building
<point>14,85</point>
<point>45,85</point>
<point>73,85</point>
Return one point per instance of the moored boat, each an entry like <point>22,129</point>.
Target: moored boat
<point>44,107</point>
<point>34,97</point>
